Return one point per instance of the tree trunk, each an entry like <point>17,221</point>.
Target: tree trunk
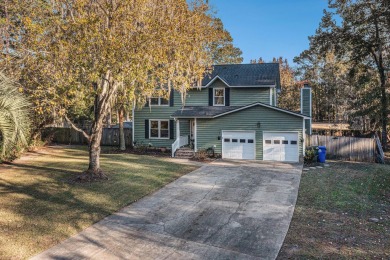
<point>122,144</point>
<point>94,156</point>
<point>384,114</point>
<point>101,108</point>
<point>94,146</point>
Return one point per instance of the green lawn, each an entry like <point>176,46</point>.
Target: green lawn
<point>331,218</point>
<point>39,207</point>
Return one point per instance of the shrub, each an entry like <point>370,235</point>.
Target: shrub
<point>201,155</point>
<point>311,154</point>
<point>14,120</point>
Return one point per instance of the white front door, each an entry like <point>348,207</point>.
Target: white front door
<point>281,146</point>
<point>239,145</point>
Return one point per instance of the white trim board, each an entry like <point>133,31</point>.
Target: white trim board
<point>214,79</point>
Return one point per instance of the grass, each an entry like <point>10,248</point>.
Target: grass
<point>331,218</point>
<point>39,207</point>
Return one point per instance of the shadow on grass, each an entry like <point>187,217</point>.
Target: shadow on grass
<point>40,207</point>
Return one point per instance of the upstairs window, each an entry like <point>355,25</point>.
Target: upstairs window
<point>219,96</point>
<point>159,101</point>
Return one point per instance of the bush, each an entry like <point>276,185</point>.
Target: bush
<point>311,155</point>
<point>201,155</point>
<point>14,120</point>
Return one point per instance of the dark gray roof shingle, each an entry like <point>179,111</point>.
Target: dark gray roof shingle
<point>199,111</point>
<point>211,112</point>
<point>246,74</point>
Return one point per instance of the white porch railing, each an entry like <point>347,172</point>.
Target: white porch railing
<point>180,142</point>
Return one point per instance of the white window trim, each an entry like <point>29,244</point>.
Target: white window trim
<point>224,97</point>
<point>159,102</point>
<point>159,129</point>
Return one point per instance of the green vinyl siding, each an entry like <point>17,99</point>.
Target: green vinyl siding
<point>308,126</point>
<point>306,101</point>
<point>154,112</point>
<point>184,127</point>
<point>246,96</point>
<point>208,130</point>
<point>306,109</point>
<point>197,97</point>
<point>217,84</point>
<point>238,96</point>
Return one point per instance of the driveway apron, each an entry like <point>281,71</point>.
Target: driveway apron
<point>223,210</point>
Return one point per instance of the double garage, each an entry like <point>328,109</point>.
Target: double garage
<point>277,146</point>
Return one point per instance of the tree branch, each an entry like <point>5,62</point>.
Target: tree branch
<point>76,128</point>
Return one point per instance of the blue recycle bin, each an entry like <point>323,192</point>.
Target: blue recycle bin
<point>321,154</point>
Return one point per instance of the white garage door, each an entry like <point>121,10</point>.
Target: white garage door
<point>280,147</point>
<point>238,145</point>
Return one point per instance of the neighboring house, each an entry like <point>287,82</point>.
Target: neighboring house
<point>234,111</point>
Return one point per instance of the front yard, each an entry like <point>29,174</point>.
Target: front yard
<point>39,206</point>
<point>342,212</point>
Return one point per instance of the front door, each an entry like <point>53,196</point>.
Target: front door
<point>192,133</point>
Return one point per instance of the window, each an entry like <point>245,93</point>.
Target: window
<point>242,140</point>
<point>234,140</point>
<point>219,96</point>
<point>159,101</point>
<point>250,141</point>
<point>276,141</point>
<point>226,140</point>
<point>293,142</point>
<point>268,141</point>
<point>284,141</point>
<point>159,129</point>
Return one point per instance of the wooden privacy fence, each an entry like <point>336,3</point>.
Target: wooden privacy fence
<point>110,136</point>
<point>345,147</point>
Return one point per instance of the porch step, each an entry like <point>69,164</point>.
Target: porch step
<point>184,153</point>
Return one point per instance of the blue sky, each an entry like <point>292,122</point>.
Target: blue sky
<point>270,28</point>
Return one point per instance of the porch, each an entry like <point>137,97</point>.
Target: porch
<point>185,143</point>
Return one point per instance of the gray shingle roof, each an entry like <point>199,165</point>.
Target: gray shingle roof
<point>205,112</point>
<point>212,112</point>
<point>246,74</point>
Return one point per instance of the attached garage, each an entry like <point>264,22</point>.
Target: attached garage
<point>281,146</point>
<point>239,145</point>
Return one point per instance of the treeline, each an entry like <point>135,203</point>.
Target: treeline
<point>347,65</point>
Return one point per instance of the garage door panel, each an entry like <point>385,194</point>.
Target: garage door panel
<point>238,145</point>
<point>280,146</point>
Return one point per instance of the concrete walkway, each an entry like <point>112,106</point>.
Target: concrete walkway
<point>223,210</point>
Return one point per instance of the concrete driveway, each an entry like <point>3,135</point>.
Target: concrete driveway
<point>223,210</point>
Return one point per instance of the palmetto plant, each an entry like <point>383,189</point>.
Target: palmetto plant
<point>14,117</point>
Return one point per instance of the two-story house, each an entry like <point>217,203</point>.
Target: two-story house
<point>234,112</point>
